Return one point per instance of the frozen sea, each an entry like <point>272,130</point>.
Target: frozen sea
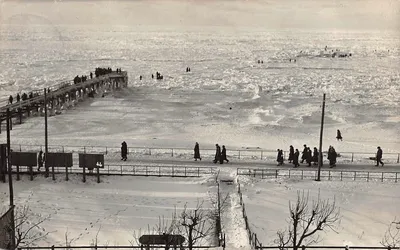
<point>227,97</point>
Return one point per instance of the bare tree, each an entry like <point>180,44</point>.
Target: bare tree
<point>28,229</point>
<point>195,224</point>
<point>164,227</point>
<point>392,235</point>
<point>305,221</point>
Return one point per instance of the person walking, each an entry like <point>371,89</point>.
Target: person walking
<point>309,156</point>
<point>291,154</point>
<point>217,154</point>
<point>379,154</point>
<point>279,157</point>
<point>315,156</point>
<point>223,155</point>
<point>304,153</point>
<point>296,158</point>
<point>197,151</point>
<point>332,155</point>
<point>339,135</point>
<point>124,151</point>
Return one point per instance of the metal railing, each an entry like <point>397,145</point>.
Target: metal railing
<point>325,174</point>
<point>131,170</point>
<point>111,247</point>
<point>253,240</point>
<point>330,247</point>
<point>245,154</point>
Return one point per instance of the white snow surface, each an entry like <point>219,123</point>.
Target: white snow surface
<point>366,208</point>
<point>118,207</point>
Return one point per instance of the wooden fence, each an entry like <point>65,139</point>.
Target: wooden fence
<point>341,175</point>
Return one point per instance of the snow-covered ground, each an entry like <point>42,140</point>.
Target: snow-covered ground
<point>366,208</point>
<point>227,98</point>
<point>118,207</point>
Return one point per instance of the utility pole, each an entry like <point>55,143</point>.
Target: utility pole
<point>320,140</point>
<point>10,183</point>
<point>45,133</point>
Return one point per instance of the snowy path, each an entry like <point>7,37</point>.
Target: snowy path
<point>233,222</point>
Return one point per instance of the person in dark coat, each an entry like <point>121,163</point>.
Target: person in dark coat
<point>197,151</point>
<point>291,154</point>
<point>124,151</point>
<point>379,154</point>
<point>296,158</point>
<point>40,160</point>
<point>309,156</point>
<point>332,155</point>
<point>18,98</point>
<point>339,135</point>
<point>10,99</point>
<point>304,154</point>
<point>279,158</point>
<point>217,153</point>
<point>223,155</point>
<point>315,156</point>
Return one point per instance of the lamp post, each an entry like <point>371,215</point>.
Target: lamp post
<point>10,183</point>
<point>320,140</point>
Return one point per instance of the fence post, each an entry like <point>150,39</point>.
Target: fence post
<point>368,176</point>
<point>289,173</point>
<point>276,174</point>
<point>382,176</point>
<point>262,155</point>
<point>172,171</point>
<point>63,148</point>
<point>20,148</point>
<point>329,175</point>
<point>84,150</point>
<point>262,173</point>
<point>106,151</point>
<point>172,154</point>
<point>121,169</point>
<point>352,157</point>
<point>302,176</point>
<point>341,175</point>
<point>396,177</point>
<point>159,171</point>
<point>185,171</point>
<point>355,174</point>
<point>146,171</point>
<point>198,172</point>
<point>239,154</point>
<point>398,158</point>
<point>150,151</point>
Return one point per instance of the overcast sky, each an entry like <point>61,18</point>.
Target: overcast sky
<point>268,14</point>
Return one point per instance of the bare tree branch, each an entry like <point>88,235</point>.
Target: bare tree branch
<point>392,235</point>
<point>305,221</point>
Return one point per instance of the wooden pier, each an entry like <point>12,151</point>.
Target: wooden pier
<point>58,95</point>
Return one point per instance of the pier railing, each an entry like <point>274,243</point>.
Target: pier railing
<point>244,154</point>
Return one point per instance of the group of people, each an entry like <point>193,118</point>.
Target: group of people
<point>22,97</point>
<point>307,155</point>
<point>187,69</point>
<point>103,71</point>
<point>78,79</point>
<point>220,155</point>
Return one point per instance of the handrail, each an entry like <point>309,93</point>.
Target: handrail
<point>69,86</point>
<point>239,153</point>
<point>328,174</point>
